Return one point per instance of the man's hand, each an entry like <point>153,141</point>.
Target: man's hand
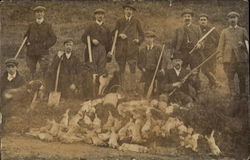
<point>219,59</point>
<point>72,86</point>
<point>136,41</point>
<point>241,44</point>
<point>94,76</point>
<point>109,55</point>
<point>143,70</point>
<point>199,45</point>
<point>95,41</point>
<point>60,53</point>
<point>177,84</point>
<point>28,43</point>
<point>123,36</point>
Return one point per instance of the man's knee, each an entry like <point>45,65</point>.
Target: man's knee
<point>44,63</point>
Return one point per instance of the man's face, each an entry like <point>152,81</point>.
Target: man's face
<point>39,14</point>
<point>99,17</point>
<point>149,40</point>
<point>68,47</point>
<point>11,69</point>
<point>187,18</point>
<point>128,11</point>
<point>177,63</point>
<point>203,21</point>
<point>233,20</point>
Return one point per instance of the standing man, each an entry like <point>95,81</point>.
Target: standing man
<point>130,36</point>
<point>185,39</point>
<point>209,47</point>
<point>233,53</point>
<point>70,71</point>
<point>148,59</point>
<point>101,40</point>
<point>40,37</point>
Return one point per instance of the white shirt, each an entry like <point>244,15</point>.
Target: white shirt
<point>177,71</point>
<point>234,26</point>
<point>40,21</point>
<point>68,55</point>
<point>149,47</point>
<point>99,23</point>
<point>11,77</point>
<point>128,18</point>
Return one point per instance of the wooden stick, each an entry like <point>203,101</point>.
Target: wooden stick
<point>150,89</point>
<point>89,49</point>
<point>57,74</point>
<point>114,42</point>
<point>20,48</point>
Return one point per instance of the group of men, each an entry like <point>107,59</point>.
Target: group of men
<point>75,76</point>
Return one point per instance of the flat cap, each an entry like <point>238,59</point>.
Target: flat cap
<point>203,15</point>
<point>187,11</point>
<point>176,55</point>
<point>39,8</point>
<point>233,14</point>
<point>99,10</point>
<point>68,40</point>
<point>11,61</point>
<point>129,5</point>
<point>150,34</point>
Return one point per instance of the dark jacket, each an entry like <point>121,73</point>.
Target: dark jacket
<point>210,43</point>
<point>171,77</point>
<point>17,82</point>
<point>229,46</point>
<point>185,38</point>
<point>40,38</point>
<point>133,30</point>
<point>70,71</point>
<point>100,33</point>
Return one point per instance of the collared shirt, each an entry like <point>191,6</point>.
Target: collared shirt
<point>177,71</point>
<point>99,23</point>
<point>40,21</point>
<point>149,47</point>
<point>128,18</point>
<point>11,77</point>
<point>68,55</point>
<point>236,26</point>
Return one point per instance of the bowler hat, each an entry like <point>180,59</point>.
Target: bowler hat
<point>150,34</point>
<point>99,10</point>
<point>233,14</point>
<point>187,11</point>
<point>129,5</point>
<point>39,8</point>
<point>176,55</point>
<point>11,61</point>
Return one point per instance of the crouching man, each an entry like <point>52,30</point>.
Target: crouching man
<point>68,83</point>
<point>173,85</point>
<point>148,59</point>
<point>11,80</point>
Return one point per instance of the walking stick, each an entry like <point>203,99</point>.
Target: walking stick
<point>150,89</point>
<point>202,38</point>
<point>193,70</point>
<point>20,48</point>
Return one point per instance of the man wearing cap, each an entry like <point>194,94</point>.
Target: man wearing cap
<point>101,40</point>
<point>185,39</point>
<point>233,54</point>
<point>209,47</point>
<point>11,79</point>
<point>130,36</point>
<point>40,37</point>
<point>172,80</point>
<point>69,77</point>
<point>148,59</point>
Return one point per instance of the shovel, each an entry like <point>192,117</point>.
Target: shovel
<point>54,97</point>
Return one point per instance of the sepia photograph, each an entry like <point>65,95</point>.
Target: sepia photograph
<point>124,80</point>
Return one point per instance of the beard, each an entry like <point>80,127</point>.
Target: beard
<point>177,66</point>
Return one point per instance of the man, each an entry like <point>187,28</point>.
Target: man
<point>130,36</point>
<point>173,81</point>
<point>100,43</point>
<point>70,70</point>
<point>148,59</point>
<point>233,53</point>
<point>40,37</point>
<point>209,47</point>
<point>185,39</point>
<point>11,79</point>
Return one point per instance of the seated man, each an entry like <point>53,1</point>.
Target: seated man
<point>173,80</point>
<point>148,59</point>
<point>11,79</point>
<point>68,83</point>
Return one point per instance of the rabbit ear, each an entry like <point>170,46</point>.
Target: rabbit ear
<point>212,133</point>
